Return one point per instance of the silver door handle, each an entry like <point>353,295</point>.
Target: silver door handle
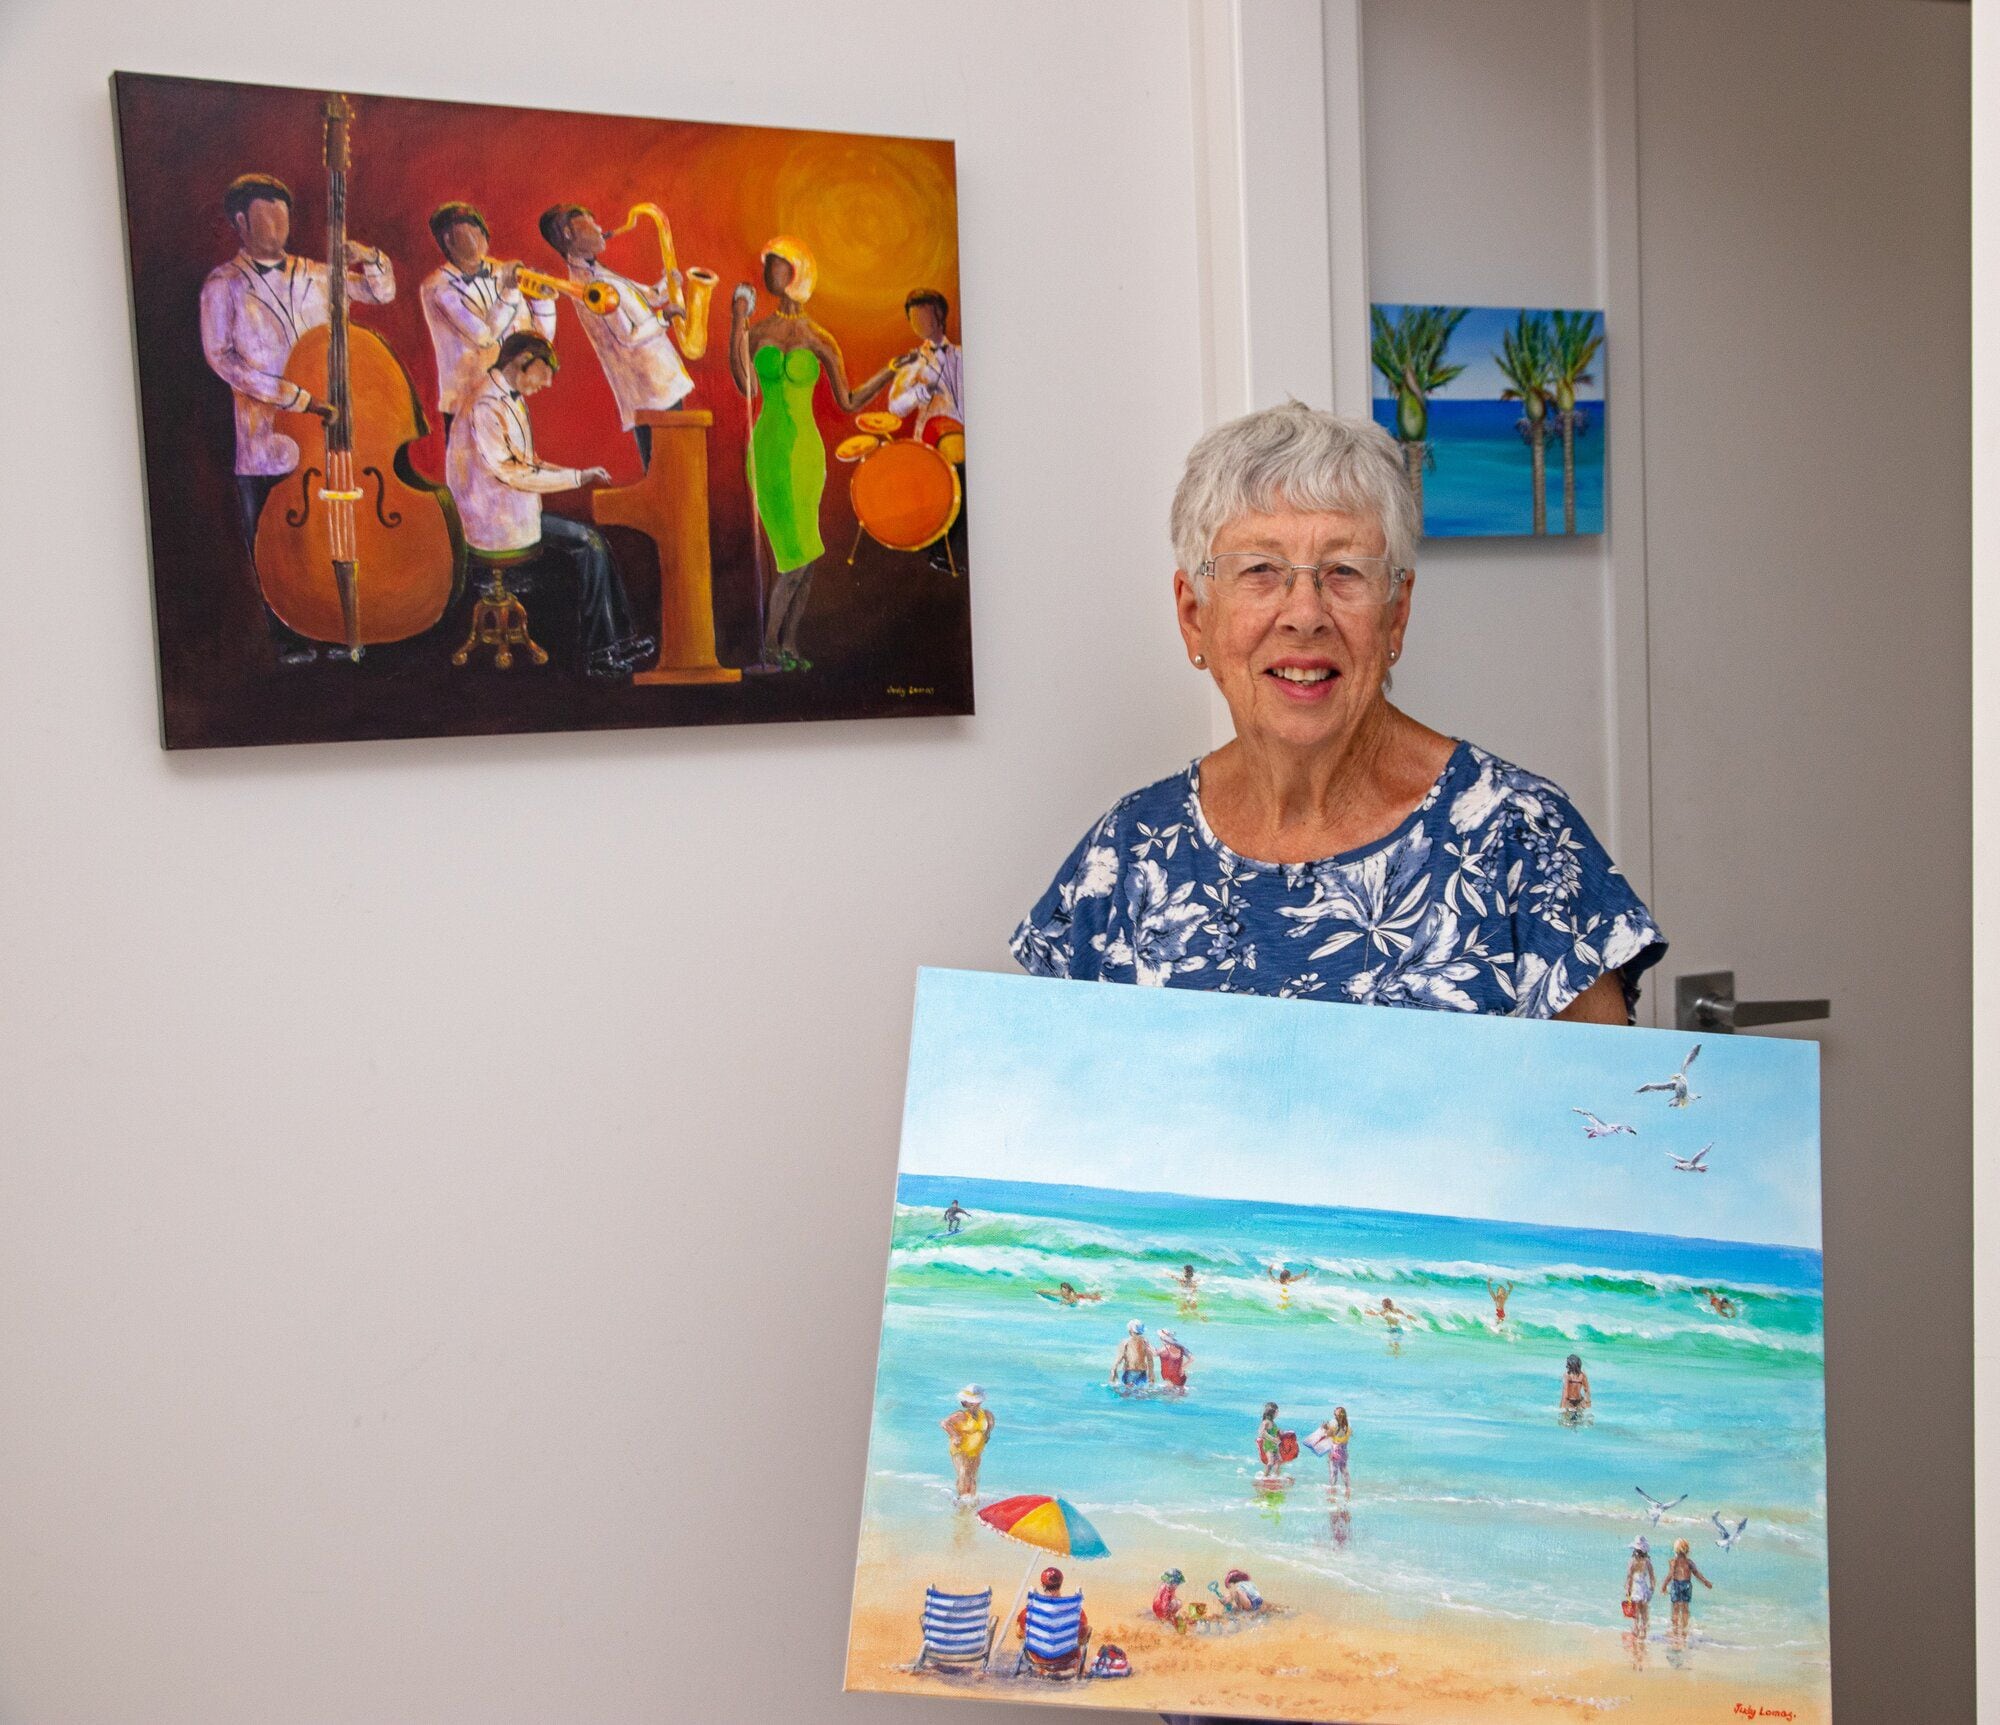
<point>1707,1001</point>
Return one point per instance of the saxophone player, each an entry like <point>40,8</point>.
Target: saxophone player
<point>634,341</point>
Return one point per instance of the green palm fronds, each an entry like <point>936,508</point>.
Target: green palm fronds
<point>1409,354</point>
<point>1527,361</point>
<point>1574,341</point>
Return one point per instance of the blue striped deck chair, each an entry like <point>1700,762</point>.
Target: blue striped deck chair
<point>958,1628</point>
<point>1056,1641</point>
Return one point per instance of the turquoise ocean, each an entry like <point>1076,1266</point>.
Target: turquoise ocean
<point>1468,1492</point>
<point>1481,477</point>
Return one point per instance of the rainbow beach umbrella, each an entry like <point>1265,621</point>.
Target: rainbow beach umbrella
<point>1051,1524</point>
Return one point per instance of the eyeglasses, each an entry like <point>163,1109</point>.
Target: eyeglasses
<point>1346,583</point>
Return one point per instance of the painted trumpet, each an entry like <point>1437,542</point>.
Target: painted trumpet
<point>699,284</point>
<point>600,297</point>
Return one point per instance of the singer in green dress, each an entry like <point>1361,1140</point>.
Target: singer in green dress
<point>777,363</point>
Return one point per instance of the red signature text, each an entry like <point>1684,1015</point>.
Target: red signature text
<point>1743,1710</point>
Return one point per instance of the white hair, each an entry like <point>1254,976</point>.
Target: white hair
<point>1294,457</point>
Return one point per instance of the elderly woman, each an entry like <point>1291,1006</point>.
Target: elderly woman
<point>1336,849</point>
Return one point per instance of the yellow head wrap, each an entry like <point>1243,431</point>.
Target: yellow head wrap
<point>805,273</point>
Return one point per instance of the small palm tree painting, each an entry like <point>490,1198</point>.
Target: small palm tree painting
<point>1500,413</point>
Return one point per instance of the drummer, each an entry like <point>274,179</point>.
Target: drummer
<point>929,386</point>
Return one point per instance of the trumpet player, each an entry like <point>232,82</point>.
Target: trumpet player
<point>634,340</point>
<point>471,306</point>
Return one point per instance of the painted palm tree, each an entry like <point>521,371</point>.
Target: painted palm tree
<point>1409,354</point>
<point>1525,360</point>
<point>1574,340</point>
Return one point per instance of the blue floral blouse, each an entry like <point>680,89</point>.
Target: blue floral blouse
<point>1493,896</point>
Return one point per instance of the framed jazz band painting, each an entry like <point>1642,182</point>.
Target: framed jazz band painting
<point>603,422</point>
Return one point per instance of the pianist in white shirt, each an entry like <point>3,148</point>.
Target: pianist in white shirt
<point>472,305</point>
<point>254,308</point>
<point>498,483</point>
<point>634,340</point>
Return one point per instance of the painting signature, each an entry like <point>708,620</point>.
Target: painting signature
<point>1744,1710</point>
<point>906,690</point>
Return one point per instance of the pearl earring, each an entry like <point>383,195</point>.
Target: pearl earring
<point>1395,653</point>
<point>1200,662</point>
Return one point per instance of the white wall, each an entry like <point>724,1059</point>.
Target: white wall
<point>1498,160</point>
<point>444,1185</point>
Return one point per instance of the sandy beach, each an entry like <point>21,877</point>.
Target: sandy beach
<point>1378,1660</point>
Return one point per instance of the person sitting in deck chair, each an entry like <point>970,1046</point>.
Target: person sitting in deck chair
<point>1054,1632</point>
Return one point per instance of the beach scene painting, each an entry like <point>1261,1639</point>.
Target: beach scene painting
<point>1286,1360</point>
<point>1499,412</point>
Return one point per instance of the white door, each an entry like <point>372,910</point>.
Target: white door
<point>1804,241</point>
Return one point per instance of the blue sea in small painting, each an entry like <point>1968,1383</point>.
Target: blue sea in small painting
<point>1480,478</point>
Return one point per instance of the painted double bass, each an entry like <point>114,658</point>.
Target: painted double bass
<point>359,548</point>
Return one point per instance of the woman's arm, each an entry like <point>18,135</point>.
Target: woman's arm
<point>739,340</point>
<point>835,368</point>
<point>1603,1002</point>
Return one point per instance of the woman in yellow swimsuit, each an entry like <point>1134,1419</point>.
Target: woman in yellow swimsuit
<point>968,1430</point>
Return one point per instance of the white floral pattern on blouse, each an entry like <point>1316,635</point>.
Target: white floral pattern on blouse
<point>1493,896</point>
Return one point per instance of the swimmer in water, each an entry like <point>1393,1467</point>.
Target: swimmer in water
<point>1132,1368</point>
<point>1187,1288</point>
<point>1721,1304</point>
<point>1068,1295</point>
<point>1392,1315</point>
<point>1174,1362</point>
<point>968,1431</point>
<point>1575,1401</point>
<point>1499,1291</point>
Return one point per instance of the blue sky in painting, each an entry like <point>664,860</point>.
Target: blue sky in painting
<point>1473,345</point>
<point>1173,1090</point>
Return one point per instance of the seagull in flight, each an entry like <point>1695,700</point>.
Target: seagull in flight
<point>1657,1508</point>
<point>1691,1164</point>
<point>1730,1535</point>
<point>1596,1128</point>
<point>1678,1083</point>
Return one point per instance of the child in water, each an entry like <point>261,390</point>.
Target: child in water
<point>1575,1403</point>
<point>1269,1447</point>
<point>1336,1435</point>
<point>1681,1577</point>
<point>1639,1587</point>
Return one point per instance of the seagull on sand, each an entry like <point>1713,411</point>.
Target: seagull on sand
<point>1730,1535</point>
<point>1678,1083</point>
<point>1691,1164</point>
<point>1656,1508</point>
<point>1596,1128</point>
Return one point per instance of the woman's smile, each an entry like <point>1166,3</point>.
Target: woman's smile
<point>1305,681</point>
